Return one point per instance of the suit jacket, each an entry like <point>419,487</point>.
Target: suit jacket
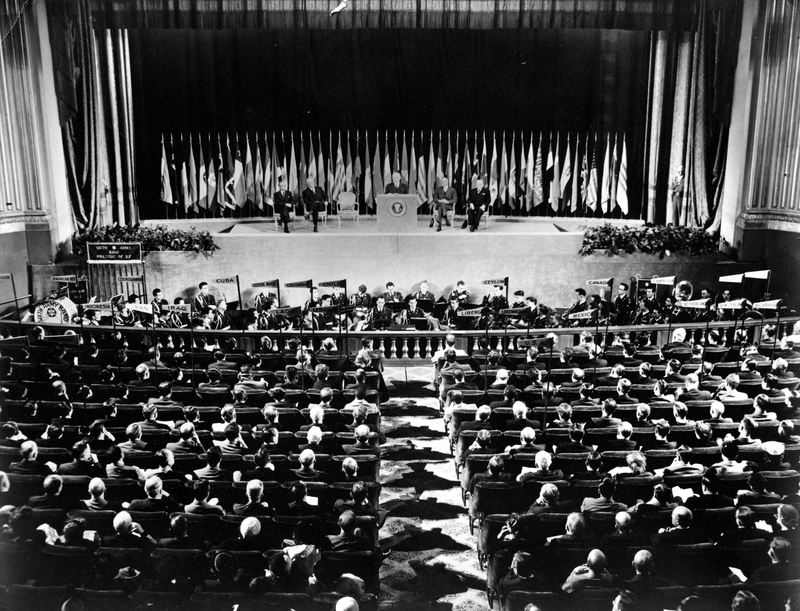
<point>185,447</point>
<point>517,424</point>
<point>679,536</point>
<point>401,189</point>
<point>29,467</point>
<point>449,195</point>
<point>165,503</point>
<point>349,543</point>
<point>479,198</point>
<point>618,445</point>
<point>284,203</point>
<point>313,199</point>
<point>202,302</point>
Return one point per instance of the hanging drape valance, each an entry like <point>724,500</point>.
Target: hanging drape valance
<point>663,15</point>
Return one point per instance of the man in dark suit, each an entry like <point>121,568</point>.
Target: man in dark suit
<point>189,443</point>
<point>423,294</point>
<point>614,376</point>
<point>396,186</point>
<point>643,377</point>
<point>284,204</point>
<point>156,499</point>
<point>204,301</point>
<point>682,531</point>
<point>477,205</point>
<point>575,443</point>
<point>630,353</point>
<point>83,462</point>
<point>481,421</point>
<point>29,451</point>
<point>520,419</point>
<point>606,419</point>
<point>254,505</point>
<point>362,445</point>
<point>781,568</point>
<point>51,497</point>
<point>623,388</point>
<point>623,441</point>
<point>314,201</point>
<point>347,540</point>
<point>509,397</point>
<point>749,371</point>
<point>692,391</point>
<point>444,197</point>
<point>662,430</point>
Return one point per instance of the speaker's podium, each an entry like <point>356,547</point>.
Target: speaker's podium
<point>397,213</point>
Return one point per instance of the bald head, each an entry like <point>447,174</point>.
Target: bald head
<point>643,562</point>
<point>623,521</point>
<point>596,561</point>
<point>348,603</point>
<point>681,517</point>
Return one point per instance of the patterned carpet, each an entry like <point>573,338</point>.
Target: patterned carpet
<point>433,565</point>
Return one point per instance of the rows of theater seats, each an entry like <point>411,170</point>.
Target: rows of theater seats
<point>698,569</point>
<point>42,579</point>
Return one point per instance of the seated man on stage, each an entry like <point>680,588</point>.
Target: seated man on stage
<point>460,293</point>
<point>324,319</point>
<point>496,301</point>
<point>339,299</point>
<point>444,198</point>
<point>220,318</point>
<point>204,302</point>
<point>361,303</point>
<point>423,294</point>
<point>396,186</point>
<point>284,204</point>
<point>270,320</point>
<point>379,317</point>
<point>408,315</point>
<point>477,205</point>
<point>392,296</point>
<point>314,201</point>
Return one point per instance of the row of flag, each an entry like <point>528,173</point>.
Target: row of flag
<point>205,171</point>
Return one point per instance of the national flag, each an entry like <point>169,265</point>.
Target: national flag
<point>192,177</point>
<point>613,186</point>
<point>234,187</point>
<point>439,163</point>
<point>387,166</point>
<point>554,163</point>
<point>475,162</point>
<point>622,183</point>
<point>493,172</point>
<point>585,172</point>
<point>166,186</point>
<point>267,185</point>
<point>503,176</point>
<point>311,174</point>
<point>320,163</point>
<point>277,165</point>
<point>538,178</point>
<point>292,165</point>
<point>566,173</point>
<point>404,164</point>
<point>302,175</point>
<point>348,167</point>
<point>357,168</point>
<point>592,191</point>
<point>396,156</point>
<point>483,172</point>
<point>368,198</point>
<point>605,193</point>
<point>412,168</point>
<point>258,178</point>
<point>377,176</point>
<point>184,177</point>
<point>211,177</point>
<point>249,175</point>
<point>431,178</point>
<point>465,169</point>
<point>576,177</point>
<point>526,172</point>
<point>202,187</point>
<point>512,174</point>
<point>422,184</point>
<point>449,168</point>
<point>330,165</point>
<point>173,171</point>
<point>338,181</point>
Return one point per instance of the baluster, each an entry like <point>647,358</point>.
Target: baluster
<point>393,348</point>
<point>381,347</point>
<point>477,346</point>
<point>414,346</point>
<point>405,341</point>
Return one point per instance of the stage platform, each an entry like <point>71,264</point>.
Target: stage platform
<point>539,255</point>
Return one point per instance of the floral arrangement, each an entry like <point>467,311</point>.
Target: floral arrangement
<point>662,240</point>
<point>152,238</point>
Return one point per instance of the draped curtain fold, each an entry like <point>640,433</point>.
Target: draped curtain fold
<point>95,109</point>
<point>461,14</point>
<point>688,130</point>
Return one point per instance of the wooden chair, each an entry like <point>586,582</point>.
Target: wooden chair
<point>347,207</point>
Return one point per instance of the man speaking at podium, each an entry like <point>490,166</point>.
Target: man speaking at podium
<point>396,186</point>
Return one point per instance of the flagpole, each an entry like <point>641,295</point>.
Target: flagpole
<point>241,305</point>
<point>777,332</point>
<point>346,325</point>
<point>608,314</point>
<point>154,339</point>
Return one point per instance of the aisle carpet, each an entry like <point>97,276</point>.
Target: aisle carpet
<point>433,564</point>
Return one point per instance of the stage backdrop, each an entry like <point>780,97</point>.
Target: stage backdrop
<point>413,82</point>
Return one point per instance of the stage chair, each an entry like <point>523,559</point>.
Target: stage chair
<point>347,207</point>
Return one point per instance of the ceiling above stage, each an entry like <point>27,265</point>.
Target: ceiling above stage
<point>661,15</point>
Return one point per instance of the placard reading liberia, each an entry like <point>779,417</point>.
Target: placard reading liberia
<point>114,252</point>
<point>470,313</point>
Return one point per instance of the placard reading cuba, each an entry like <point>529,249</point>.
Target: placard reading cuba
<point>114,252</point>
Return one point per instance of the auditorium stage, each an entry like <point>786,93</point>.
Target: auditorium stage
<point>540,257</point>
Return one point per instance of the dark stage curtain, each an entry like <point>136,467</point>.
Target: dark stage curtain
<point>256,81</point>
<point>643,15</point>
